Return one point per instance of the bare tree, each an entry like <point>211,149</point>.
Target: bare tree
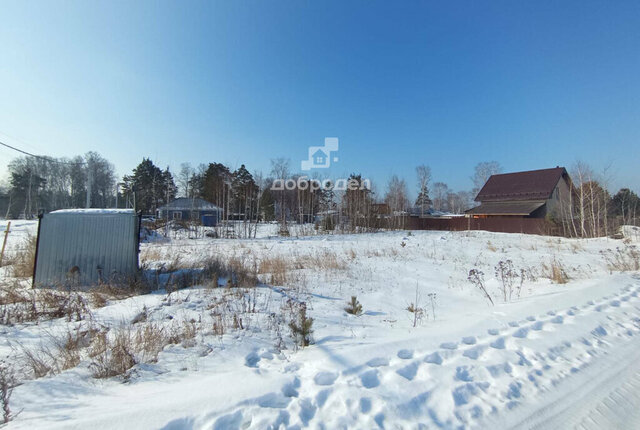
<point>184,179</point>
<point>482,172</point>
<point>280,170</point>
<point>397,199</point>
<point>440,193</point>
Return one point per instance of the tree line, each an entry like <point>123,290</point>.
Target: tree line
<point>43,184</point>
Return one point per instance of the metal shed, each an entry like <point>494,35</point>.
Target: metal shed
<point>85,247</point>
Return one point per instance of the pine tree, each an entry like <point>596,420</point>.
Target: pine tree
<point>423,201</point>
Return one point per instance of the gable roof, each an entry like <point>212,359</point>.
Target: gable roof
<point>184,203</point>
<point>529,185</point>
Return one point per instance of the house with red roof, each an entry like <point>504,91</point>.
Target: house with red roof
<point>531,194</point>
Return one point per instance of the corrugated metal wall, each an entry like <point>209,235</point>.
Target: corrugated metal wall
<point>102,246</point>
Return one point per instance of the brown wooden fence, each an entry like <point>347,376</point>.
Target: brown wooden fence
<point>504,224</point>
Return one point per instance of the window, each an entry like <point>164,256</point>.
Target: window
<point>177,215</point>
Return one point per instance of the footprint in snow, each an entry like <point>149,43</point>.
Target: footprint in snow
<point>449,345</point>
<point>409,372</point>
<point>537,326</point>
<point>252,359</point>
<point>551,313</point>
<point>600,308</point>
<point>365,405</point>
<point>322,396</point>
<point>514,324</point>
<point>499,343</point>
<point>475,352</point>
<point>463,373</point>
<point>558,320</point>
<point>230,421</point>
<point>469,340</point>
<point>521,333</point>
<point>378,362</point>
<point>273,400</point>
<point>325,378</point>
<point>370,379</point>
<point>307,411</point>
<point>615,303</point>
<point>493,331</point>
<point>405,354</point>
<point>434,358</point>
<point>599,331</point>
<point>531,318</point>
<point>291,389</point>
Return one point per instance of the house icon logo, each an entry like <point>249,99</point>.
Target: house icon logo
<point>319,157</point>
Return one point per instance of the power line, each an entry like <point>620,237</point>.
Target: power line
<point>41,157</point>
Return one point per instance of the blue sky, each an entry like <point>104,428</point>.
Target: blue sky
<point>447,84</point>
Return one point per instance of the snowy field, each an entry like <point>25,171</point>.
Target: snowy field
<point>562,351</point>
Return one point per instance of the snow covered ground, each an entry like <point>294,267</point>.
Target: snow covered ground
<point>555,355</point>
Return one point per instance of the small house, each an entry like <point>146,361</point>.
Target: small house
<point>530,194</point>
<point>85,247</point>
<point>191,209</point>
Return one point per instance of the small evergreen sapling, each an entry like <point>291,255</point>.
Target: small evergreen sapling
<point>354,307</point>
<point>301,326</point>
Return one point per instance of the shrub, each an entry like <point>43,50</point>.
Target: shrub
<point>354,307</point>
<point>7,382</point>
<point>476,277</point>
<point>555,271</point>
<point>116,358</point>
<point>418,313</point>
<point>507,275</point>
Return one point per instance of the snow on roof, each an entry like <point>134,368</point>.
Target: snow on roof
<point>187,203</point>
<point>94,211</point>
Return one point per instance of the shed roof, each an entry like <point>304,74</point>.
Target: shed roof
<point>522,208</point>
<point>93,211</point>
<point>529,185</point>
<point>184,203</point>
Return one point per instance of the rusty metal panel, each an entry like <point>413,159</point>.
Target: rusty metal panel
<point>86,247</point>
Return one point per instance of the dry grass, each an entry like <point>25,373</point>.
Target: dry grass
<point>56,354</point>
<point>115,357</point>
<point>622,259</point>
<point>555,271</point>
<point>22,261</point>
<point>151,254</point>
<point>280,270</point>
<point>277,268</point>
<point>19,305</point>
